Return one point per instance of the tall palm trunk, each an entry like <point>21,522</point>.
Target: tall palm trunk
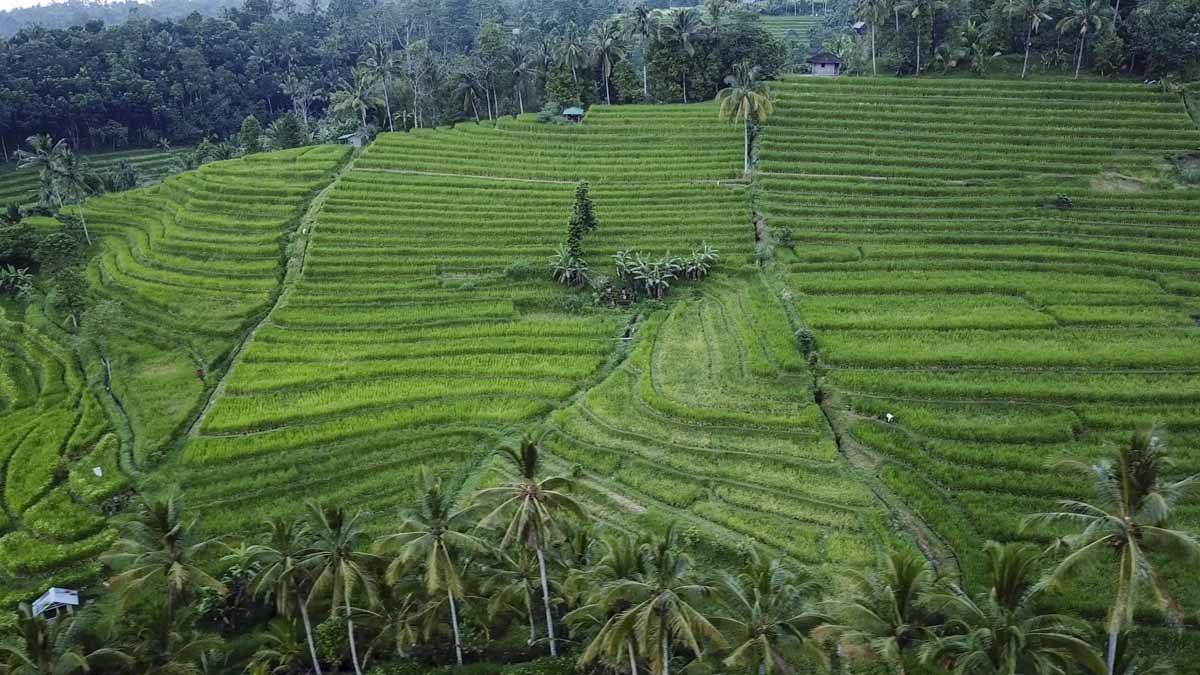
<point>546,599</point>
<point>1079,59</point>
<point>607,94</point>
<point>312,646</point>
<point>632,658</point>
<point>520,98</point>
<point>645,83</point>
<point>475,108</point>
<point>387,104</point>
<point>666,651</point>
<point>918,71</point>
<point>874,68</point>
<point>353,646</point>
<point>685,86</point>
<point>746,168</point>
<point>454,623</point>
<point>83,221</point>
<point>529,613</point>
<point>1112,651</point>
<point>1028,44</point>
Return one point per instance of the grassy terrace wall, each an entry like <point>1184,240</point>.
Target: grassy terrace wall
<point>21,186</point>
<point>424,324</point>
<point>946,288</point>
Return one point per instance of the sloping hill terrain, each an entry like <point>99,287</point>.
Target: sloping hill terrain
<point>1000,266</point>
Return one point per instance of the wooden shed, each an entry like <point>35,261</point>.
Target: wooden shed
<point>825,64</point>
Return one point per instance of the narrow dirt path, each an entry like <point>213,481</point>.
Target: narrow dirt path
<point>295,266</point>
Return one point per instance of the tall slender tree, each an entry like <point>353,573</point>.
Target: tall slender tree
<point>1033,13</point>
<point>640,24</point>
<point>439,536</point>
<point>746,99</point>
<point>869,11</point>
<point>339,565</point>
<point>157,556</point>
<point>608,50</point>
<point>682,30</point>
<point>1128,524</point>
<point>1085,17</point>
<point>382,64</point>
<point>280,574</point>
<point>357,95</point>
<point>534,508</point>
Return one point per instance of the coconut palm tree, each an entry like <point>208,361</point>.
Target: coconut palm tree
<point>640,24</point>
<point>1000,631</point>
<point>606,43</point>
<point>357,95</point>
<point>48,647</point>
<point>280,575</point>
<point>1127,522</point>
<point>922,12</point>
<point>42,157</point>
<point>533,509</point>
<point>663,604</point>
<point>572,49</point>
<point>748,99</point>
<point>382,64</point>
<point>157,555</point>
<point>519,66</point>
<point>869,11</point>
<point>767,614</point>
<point>613,641</point>
<point>339,566</point>
<point>1085,17</point>
<point>882,618</point>
<point>1034,12</point>
<point>682,30</point>
<point>439,536</point>
<point>510,586</point>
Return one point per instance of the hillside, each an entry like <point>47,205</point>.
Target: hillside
<point>1008,268</point>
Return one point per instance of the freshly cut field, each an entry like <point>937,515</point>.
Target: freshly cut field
<point>21,186</point>
<point>948,286</point>
<point>423,324</point>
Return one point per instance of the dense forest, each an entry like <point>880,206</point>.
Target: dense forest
<point>78,12</point>
<point>387,65</point>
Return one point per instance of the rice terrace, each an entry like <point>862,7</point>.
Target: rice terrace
<point>633,349</point>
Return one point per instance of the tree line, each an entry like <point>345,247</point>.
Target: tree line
<point>357,64</point>
<point>1143,38</point>
<point>518,567</point>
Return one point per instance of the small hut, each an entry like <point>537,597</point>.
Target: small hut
<point>825,64</point>
<point>573,114</point>
<point>357,139</point>
<point>54,601</point>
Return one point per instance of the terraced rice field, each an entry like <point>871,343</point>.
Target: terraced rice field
<point>53,432</point>
<point>21,187</point>
<point>193,262</point>
<point>792,29</point>
<point>423,323</point>
<point>946,288</point>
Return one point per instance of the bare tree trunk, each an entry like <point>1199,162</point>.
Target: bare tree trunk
<point>666,653</point>
<point>918,71</point>
<point>632,658</point>
<point>4,143</point>
<point>746,168</point>
<point>685,87</point>
<point>353,647</point>
<point>312,646</point>
<point>520,99</point>
<point>1079,59</point>
<point>387,103</point>
<point>874,68</point>
<point>1117,15</point>
<point>1028,43</point>
<point>1112,651</point>
<point>529,613</point>
<point>645,85</point>
<point>546,600</point>
<point>454,622</point>
<point>607,94</point>
<point>475,108</point>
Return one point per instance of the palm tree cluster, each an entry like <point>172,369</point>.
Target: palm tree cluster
<point>62,176</point>
<point>977,41</point>
<point>519,557</point>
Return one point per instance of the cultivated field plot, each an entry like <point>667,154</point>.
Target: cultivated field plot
<point>792,29</point>
<point>424,323</point>
<point>711,420</point>
<point>998,265</point>
<point>21,186</point>
<point>192,262</point>
<point>53,434</point>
